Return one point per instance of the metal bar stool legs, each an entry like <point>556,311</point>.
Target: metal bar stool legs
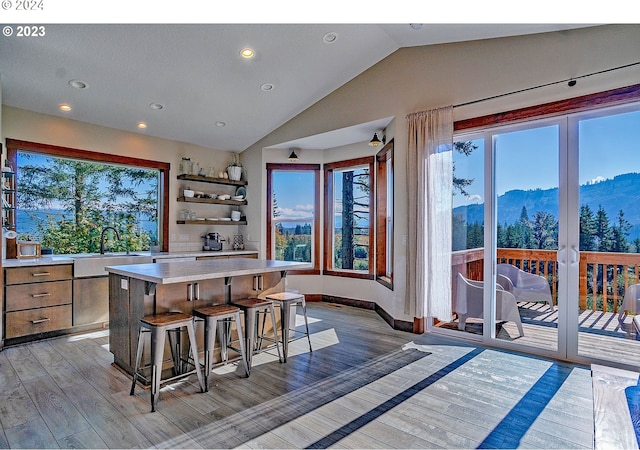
<point>286,300</point>
<point>251,308</point>
<point>158,325</point>
<point>211,315</point>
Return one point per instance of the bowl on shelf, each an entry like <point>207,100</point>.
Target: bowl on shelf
<point>224,197</point>
<point>188,193</point>
<point>237,198</point>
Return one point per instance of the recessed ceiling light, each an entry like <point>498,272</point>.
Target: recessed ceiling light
<point>156,106</point>
<point>330,37</point>
<point>78,84</point>
<point>142,125</point>
<point>220,124</point>
<point>247,53</point>
<point>64,107</point>
<point>267,87</point>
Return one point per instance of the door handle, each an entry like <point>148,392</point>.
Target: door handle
<point>575,255</point>
<point>562,255</point>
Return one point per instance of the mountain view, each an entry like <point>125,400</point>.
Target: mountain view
<point>619,193</point>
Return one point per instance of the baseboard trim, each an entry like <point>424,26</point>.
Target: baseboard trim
<point>396,324</point>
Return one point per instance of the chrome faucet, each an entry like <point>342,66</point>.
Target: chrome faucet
<point>102,238</point>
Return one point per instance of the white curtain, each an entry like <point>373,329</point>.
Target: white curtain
<point>429,186</point>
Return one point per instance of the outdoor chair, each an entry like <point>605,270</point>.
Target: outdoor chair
<point>525,286</point>
<point>630,304</point>
<point>469,303</point>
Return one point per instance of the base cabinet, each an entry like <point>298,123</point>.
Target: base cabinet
<point>90,301</point>
<point>37,300</point>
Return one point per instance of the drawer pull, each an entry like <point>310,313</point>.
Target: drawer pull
<point>44,294</point>
<point>41,274</point>
<point>40,320</point>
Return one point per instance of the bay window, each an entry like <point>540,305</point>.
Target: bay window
<point>349,218</point>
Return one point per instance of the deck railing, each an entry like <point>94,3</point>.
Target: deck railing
<point>604,277</point>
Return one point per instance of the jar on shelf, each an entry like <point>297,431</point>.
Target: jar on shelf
<point>185,166</point>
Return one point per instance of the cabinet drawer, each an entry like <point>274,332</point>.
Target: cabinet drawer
<point>32,321</point>
<point>37,274</point>
<point>37,295</point>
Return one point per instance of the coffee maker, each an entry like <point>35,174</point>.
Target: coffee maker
<point>212,242</point>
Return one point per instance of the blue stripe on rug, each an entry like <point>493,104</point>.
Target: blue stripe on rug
<point>633,401</point>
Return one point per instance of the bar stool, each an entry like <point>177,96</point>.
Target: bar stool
<point>211,315</point>
<point>252,307</point>
<point>286,300</point>
<point>158,325</point>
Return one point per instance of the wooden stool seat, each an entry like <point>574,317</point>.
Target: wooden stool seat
<point>158,325</point>
<point>252,302</point>
<point>215,310</point>
<point>287,299</point>
<point>211,315</point>
<point>164,319</point>
<point>252,307</point>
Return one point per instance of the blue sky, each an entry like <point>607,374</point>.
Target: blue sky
<point>529,159</point>
<point>294,193</point>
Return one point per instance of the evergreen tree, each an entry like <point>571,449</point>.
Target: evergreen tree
<point>603,231</point>
<point>545,231</point>
<point>460,184</point>
<point>587,229</point>
<point>619,232</point>
<point>94,195</point>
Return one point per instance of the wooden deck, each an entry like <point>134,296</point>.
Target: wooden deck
<point>601,336</point>
<point>363,386</point>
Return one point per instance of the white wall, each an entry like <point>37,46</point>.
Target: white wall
<point>29,126</point>
<point>420,78</point>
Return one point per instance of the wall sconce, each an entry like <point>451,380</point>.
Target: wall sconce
<point>293,157</point>
<point>374,142</point>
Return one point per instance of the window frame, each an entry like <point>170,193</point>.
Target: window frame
<point>315,168</point>
<point>329,169</point>
<point>384,209</point>
<point>15,145</point>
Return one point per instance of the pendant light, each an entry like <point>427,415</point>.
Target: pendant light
<point>293,157</point>
<point>374,142</point>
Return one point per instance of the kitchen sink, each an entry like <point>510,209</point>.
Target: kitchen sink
<point>93,264</point>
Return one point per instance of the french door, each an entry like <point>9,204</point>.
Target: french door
<point>556,209</point>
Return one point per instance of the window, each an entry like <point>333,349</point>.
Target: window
<point>65,197</point>
<point>293,218</point>
<point>384,216</point>
<point>349,221</point>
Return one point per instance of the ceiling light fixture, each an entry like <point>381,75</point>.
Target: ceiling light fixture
<point>267,87</point>
<point>247,53</point>
<point>64,107</point>
<point>374,142</point>
<point>293,157</point>
<point>220,123</point>
<point>78,84</point>
<point>142,125</point>
<point>156,106</point>
<point>330,37</point>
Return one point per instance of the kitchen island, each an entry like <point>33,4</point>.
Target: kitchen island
<point>137,290</point>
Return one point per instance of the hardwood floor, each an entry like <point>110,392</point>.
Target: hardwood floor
<point>363,386</point>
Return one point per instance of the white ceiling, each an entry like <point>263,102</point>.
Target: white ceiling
<point>197,74</point>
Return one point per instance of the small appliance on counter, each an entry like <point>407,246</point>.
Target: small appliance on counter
<point>238,242</point>
<point>212,242</point>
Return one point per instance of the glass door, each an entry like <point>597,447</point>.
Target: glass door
<point>526,220</point>
<point>608,210</point>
